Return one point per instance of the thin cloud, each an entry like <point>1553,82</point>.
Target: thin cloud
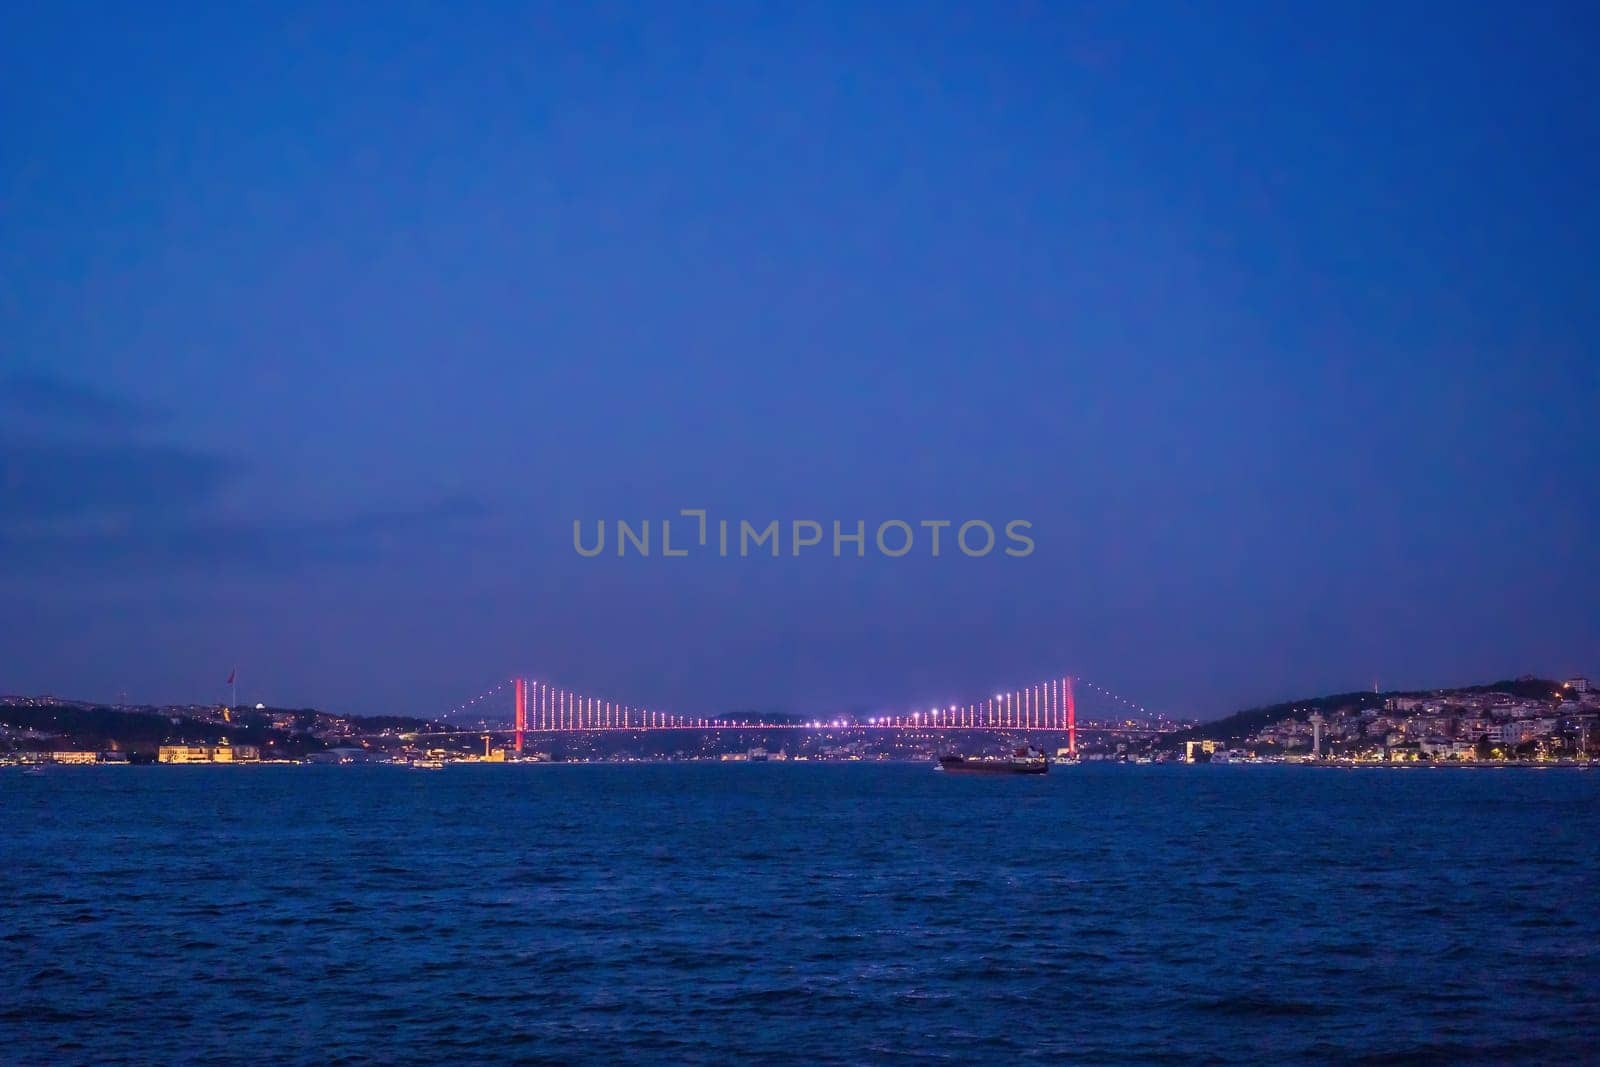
<point>92,501</point>
<point>142,547</point>
<point>47,398</point>
<point>51,480</point>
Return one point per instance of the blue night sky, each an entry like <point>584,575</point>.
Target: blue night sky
<point>317,330</point>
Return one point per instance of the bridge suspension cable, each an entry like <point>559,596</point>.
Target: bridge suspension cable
<point>467,705</point>
<point>541,707</point>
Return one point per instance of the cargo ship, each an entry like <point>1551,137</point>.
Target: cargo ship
<point>1025,760</point>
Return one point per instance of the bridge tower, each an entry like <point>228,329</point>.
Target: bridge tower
<point>1072,722</point>
<point>522,710</point>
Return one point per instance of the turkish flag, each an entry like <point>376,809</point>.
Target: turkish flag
<point>230,676</point>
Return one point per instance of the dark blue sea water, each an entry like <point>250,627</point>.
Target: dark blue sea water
<point>798,913</point>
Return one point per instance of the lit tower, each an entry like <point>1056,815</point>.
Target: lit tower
<point>522,710</point>
<point>1316,734</point>
<point>1072,722</point>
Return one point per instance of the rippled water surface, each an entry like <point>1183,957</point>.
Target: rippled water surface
<point>798,913</point>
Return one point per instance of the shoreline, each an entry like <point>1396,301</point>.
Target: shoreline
<point>1580,765</point>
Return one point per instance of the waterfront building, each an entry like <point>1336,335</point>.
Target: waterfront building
<point>219,753</point>
<point>184,754</point>
<point>1516,731</point>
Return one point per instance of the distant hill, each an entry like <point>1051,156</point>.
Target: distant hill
<point>1248,723</point>
<point>86,726</point>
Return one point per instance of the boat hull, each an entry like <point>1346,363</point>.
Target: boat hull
<point>962,765</point>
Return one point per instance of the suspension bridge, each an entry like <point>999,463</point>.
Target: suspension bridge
<point>540,708</point>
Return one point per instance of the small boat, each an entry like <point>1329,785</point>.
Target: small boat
<point>1025,760</point>
<point>427,765</point>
